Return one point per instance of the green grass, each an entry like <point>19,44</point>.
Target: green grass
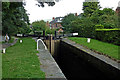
<point>11,40</point>
<point>21,61</point>
<point>0,66</point>
<point>102,47</point>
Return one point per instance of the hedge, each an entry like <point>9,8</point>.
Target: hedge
<point>108,35</point>
<point>115,29</point>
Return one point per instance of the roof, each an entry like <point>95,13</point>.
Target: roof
<point>118,8</point>
<point>57,20</point>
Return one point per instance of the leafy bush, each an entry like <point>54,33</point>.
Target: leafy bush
<point>50,31</point>
<point>83,26</point>
<point>106,35</point>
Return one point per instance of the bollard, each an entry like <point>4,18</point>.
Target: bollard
<point>4,50</point>
<point>20,41</point>
<point>88,40</point>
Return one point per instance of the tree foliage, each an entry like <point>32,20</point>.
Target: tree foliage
<point>41,3</point>
<point>14,18</point>
<point>91,19</point>
<point>39,26</point>
<point>67,20</point>
<point>106,17</point>
<point>89,8</point>
<point>83,26</point>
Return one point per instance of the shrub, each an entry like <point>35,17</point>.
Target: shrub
<point>108,35</point>
<point>50,31</point>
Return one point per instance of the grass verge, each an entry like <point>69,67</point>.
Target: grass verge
<point>99,46</point>
<point>21,61</point>
<point>0,66</point>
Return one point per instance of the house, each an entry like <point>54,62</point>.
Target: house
<point>47,23</point>
<point>56,23</point>
<point>118,8</point>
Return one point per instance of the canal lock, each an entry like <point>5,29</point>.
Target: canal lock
<point>71,64</point>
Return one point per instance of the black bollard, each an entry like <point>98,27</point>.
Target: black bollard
<point>55,34</point>
<point>43,34</point>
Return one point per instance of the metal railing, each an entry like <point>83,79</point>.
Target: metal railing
<point>42,43</point>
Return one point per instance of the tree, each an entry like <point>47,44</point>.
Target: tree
<point>109,21</point>
<point>76,25</point>
<point>50,3</point>
<point>16,20</point>
<point>89,8</point>
<point>105,17</point>
<point>108,11</point>
<point>66,22</point>
<point>83,26</point>
<point>39,26</point>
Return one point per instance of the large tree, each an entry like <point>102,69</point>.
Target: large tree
<point>105,17</point>
<point>84,26</point>
<point>39,26</point>
<point>14,18</point>
<point>67,20</point>
<point>89,8</point>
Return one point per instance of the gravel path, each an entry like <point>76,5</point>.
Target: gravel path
<point>6,45</point>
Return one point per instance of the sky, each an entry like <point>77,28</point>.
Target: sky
<point>61,8</point>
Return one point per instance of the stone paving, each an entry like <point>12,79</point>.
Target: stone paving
<point>48,64</point>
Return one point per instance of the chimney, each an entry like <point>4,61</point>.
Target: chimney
<point>76,14</point>
<point>53,18</point>
<point>47,23</point>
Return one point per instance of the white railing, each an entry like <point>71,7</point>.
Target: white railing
<point>42,43</point>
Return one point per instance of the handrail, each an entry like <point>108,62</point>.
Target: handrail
<point>43,44</point>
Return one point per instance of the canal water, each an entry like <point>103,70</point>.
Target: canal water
<point>73,66</point>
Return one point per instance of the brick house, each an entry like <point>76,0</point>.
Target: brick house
<point>56,23</point>
<point>47,23</point>
<point>118,8</point>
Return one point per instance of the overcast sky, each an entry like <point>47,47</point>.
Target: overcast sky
<point>61,8</point>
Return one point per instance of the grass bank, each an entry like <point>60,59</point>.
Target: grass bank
<point>21,61</point>
<point>102,47</point>
<point>0,66</point>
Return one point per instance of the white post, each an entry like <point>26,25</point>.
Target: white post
<point>4,50</point>
<point>75,34</point>
<point>88,40</point>
<point>37,44</point>
<point>43,44</point>
<point>20,41</point>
